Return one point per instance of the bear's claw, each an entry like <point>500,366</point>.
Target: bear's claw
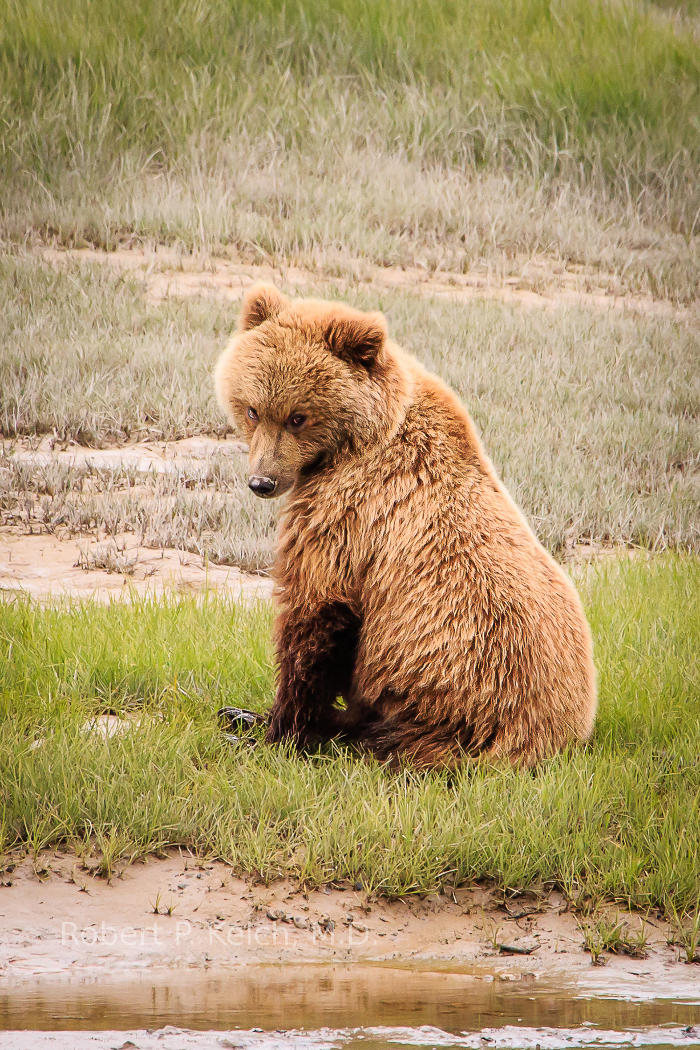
<point>238,719</point>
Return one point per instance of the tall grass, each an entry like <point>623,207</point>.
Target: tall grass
<point>217,123</point>
<point>619,819</point>
<point>146,76</point>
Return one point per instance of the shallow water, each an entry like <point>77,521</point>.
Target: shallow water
<point>363,1006</point>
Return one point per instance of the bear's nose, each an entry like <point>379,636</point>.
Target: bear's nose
<point>261,486</point>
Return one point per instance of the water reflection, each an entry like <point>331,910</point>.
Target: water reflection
<point>314,997</point>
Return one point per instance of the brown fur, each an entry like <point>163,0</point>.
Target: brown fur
<point>408,582</point>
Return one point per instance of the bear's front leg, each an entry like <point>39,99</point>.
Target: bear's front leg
<point>316,654</point>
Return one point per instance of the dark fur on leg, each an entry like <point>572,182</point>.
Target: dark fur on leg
<point>316,654</point>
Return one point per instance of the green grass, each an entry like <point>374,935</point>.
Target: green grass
<point>443,134</point>
<point>617,820</point>
<point>590,417</point>
<point>613,935</point>
<point>686,936</point>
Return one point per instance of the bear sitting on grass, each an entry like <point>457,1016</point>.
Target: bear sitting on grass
<point>408,582</point>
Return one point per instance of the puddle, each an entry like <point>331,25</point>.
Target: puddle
<point>368,1006</point>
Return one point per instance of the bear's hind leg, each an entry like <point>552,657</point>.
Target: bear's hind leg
<point>316,653</point>
<point>400,732</point>
<point>397,740</point>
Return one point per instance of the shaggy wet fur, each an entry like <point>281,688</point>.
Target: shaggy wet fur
<point>409,584</point>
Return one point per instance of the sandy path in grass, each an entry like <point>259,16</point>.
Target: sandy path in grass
<point>158,457</point>
<point>45,564</point>
<point>56,917</point>
<point>542,282</point>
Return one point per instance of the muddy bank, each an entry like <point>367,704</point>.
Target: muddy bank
<point>56,917</point>
<point>180,955</point>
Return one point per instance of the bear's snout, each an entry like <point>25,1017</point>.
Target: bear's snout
<point>261,485</point>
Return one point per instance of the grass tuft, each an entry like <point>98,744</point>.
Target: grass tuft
<point>687,933</point>
<point>614,936</point>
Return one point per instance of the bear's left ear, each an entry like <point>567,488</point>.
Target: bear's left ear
<point>358,338</point>
<point>261,302</point>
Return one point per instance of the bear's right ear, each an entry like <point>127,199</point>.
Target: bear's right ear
<point>357,337</point>
<point>261,302</point>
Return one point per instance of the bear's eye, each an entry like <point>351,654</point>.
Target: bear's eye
<point>252,414</point>
<point>296,420</point>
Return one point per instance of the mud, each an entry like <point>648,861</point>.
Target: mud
<point>338,999</point>
<point>57,916</point>
<point>377,1038</point>
<point>182,955</point>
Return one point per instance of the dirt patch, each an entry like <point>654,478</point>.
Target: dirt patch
<point>46,566</point>
<point>542,282</point>
<point>159,457</point>
<point>91,563</point>
<point>177,912</point>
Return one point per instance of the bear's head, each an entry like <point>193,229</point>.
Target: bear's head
<point>303,382</point>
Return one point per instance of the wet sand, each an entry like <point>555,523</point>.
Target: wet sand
<point>334,997</point>
<point>178,913</point>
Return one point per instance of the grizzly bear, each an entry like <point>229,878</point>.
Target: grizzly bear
<point>418,614</point>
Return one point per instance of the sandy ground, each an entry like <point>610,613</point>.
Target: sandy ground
<point>159,457</point>
<point>44,565</point>
<point>56,917</point>
<point>542,283</point>
<point>47,566</point>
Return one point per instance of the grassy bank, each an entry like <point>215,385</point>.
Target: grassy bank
<point>444,134</point>
<point>590,417</point>
<point>620,819</point>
